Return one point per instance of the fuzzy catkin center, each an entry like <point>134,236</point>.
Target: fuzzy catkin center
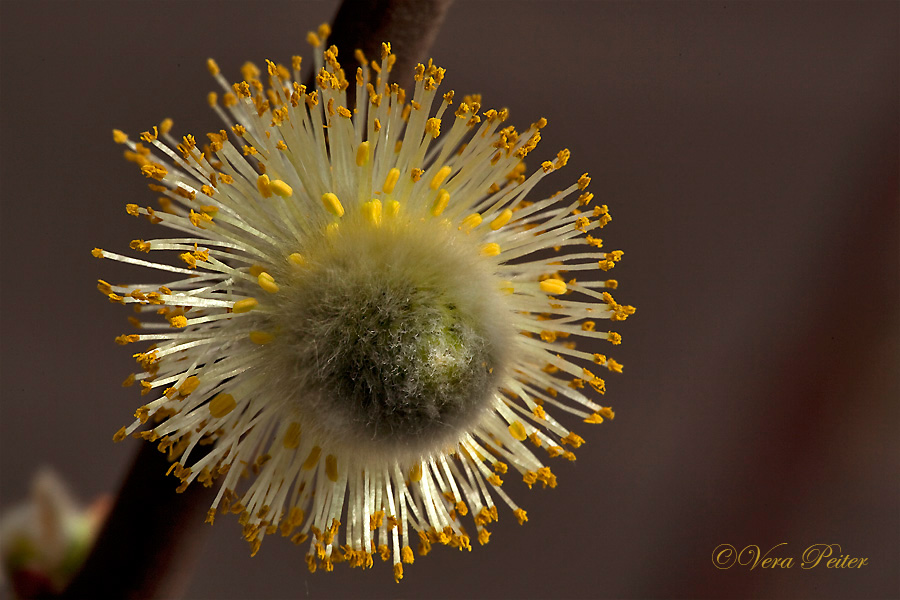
<point>393,335</point>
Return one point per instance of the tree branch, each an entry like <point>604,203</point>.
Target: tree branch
<point>148,543</point>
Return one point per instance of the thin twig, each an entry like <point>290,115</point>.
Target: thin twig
<point>147,546</point>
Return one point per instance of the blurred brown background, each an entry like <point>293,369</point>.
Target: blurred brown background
<point>749,155</point>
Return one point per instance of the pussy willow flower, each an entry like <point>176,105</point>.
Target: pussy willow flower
<point>370,324</point>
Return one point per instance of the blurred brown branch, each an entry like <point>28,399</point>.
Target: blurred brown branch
<point>146,546</point>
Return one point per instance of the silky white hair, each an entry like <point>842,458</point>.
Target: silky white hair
<point>391,339</point>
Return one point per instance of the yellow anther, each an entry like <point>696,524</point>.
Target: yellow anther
<point>119,136</point>
<point>313,40</point>
<point>507,287</point>
<point>313,459</point>
<point>502,219</point>
<point>331,229</point>
<point>362,154</point>
<point>440,203</point>
<point>267,282</point>
<point>178,321</point>
<point>398,572</point>
<point>263,185</point>
<point>198,219</point>
<point>166,126</point>
<point>245,305</point>
<point>297,259</point>
<point>521,516</point>
<point>212,67</point>
<point>607,412</point>
<point>439,177</point>
<point>280,188</point>
<point>292,436</point>
<point>148,136</point>
<point>392,209</point>
<point>212,99</point>
<point>332,204</point>
<point>595,418</point>
<point>372,211</point>
<point>189,386</point>
<point>154,171</point>
<point>331,467</point>
<point>415,473</point>
<point>391,180</point>
<point>140,245</point>
<point>261,337</point>
<point>554,287</point>
<point>470,222</point>
<point>530,478</point>
<point>614,338</point>
<point>573,439</point>
<point>221,405</point>
<point>433,127</point>
<point>491,249</point>
<point>583,181</point>
<point>517,430</point>
<point>484,536</point>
